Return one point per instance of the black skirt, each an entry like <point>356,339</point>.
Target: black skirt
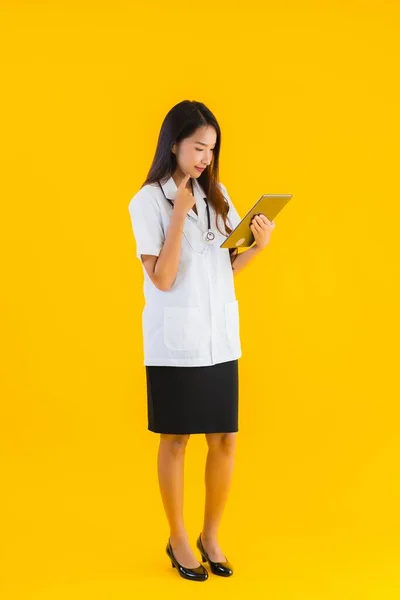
<point>193,399</point>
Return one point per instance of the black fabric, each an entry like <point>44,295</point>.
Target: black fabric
<point>193,399</point>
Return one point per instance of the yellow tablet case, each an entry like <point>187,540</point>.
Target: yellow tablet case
<point>269,205</point>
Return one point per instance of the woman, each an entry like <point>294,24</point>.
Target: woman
<point>191,320</point>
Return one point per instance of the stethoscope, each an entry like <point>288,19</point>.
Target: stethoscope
<point>208,236</point>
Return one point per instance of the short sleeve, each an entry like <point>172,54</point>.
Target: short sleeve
<point>146,224</point>
<point>233,214</point>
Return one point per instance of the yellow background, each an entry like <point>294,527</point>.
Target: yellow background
<point>307,96</point>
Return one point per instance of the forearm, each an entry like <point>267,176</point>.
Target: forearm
<point>244,258</point>
<point>166,267</point>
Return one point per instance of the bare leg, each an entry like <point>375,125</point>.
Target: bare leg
<point>218,477</point>
<point>171,459</point>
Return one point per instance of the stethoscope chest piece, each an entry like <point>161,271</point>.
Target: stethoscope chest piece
<point>209,236</point>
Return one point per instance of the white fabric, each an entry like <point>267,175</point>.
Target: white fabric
<point>195,322</point>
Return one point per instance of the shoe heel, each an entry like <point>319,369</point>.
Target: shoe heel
<point>173,564</point>
<point>203,558</point>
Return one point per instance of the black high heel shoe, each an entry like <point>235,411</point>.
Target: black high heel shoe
<point>196,574</point>
<point>218,568</point>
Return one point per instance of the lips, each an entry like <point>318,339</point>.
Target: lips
<point>199,168</point>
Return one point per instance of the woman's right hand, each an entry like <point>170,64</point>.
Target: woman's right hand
<point>184,199</point>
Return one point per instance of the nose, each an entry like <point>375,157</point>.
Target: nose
<point>207,160</point>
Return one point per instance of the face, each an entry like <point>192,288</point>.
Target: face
<point>195,151</point>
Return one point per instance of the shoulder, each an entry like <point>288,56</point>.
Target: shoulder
<point>147,195</point>
<point>223,188</point>
<point>225,193</point>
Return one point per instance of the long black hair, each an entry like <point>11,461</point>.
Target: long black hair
<point>181,122</point>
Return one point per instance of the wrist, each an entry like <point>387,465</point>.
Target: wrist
<point>256,249</point>
<point>178,217</point>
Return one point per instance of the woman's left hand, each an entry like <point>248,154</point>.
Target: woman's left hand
<point>261,228</point>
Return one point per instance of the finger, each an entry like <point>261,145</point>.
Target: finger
<point>184,180</point>
<point>268,222</point>
<point>264,219</point>
<point>262,223</point>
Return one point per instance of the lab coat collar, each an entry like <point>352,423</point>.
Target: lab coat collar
<point>170,189</point>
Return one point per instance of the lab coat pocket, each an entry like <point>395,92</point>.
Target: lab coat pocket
<point>182,327</point>
<point>232,322</point>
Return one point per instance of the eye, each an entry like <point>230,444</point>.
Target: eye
<point>198,149</point>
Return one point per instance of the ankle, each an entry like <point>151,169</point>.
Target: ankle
<point>177,537</point>
<point>209,536</point>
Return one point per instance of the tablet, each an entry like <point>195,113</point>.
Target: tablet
<point>269,205</point>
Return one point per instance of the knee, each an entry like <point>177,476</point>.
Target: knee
<point>175,443</point>
<point>222,442</point>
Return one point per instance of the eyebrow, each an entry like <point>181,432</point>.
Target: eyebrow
<point>203,144</point>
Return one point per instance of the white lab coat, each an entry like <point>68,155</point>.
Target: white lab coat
<point>195,322</point>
